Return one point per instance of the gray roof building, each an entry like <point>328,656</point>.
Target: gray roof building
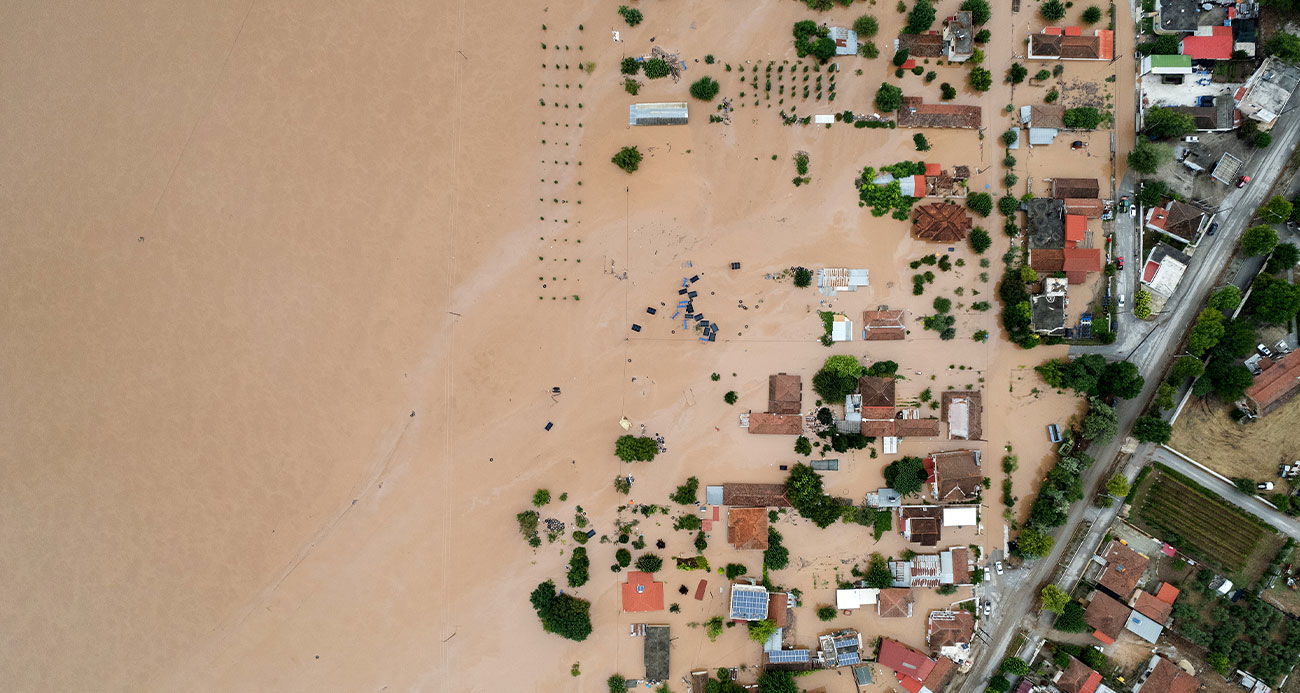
<point>1046,222</point>
<point>657,113</point>
<point>1216,118</point>
<point>1175,16</point>
<point>846,40</point>
<point>656,653</point>
<point>1048,315</point>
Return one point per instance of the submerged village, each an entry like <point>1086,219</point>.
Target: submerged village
<point>980,454</point>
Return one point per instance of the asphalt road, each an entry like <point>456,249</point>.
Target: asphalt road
<point>1149,345</point>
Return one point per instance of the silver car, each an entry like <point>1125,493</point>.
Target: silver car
<point>998,567</point>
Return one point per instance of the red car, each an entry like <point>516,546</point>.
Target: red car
<point>1241,182</point>
<point>1119,262</point>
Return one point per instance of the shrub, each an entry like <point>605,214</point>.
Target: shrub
<point>1015,666</point>
<point>866,26</point>
<point>579,566</point>
<point>1151,429</point>
<point>900,57</point>
<point>980,240</point>
<point>628,159</point>
<point>541,497</point>
<point>630,15</point>
<point>616,684</point>
<point>631,86</point>
<point>1054,600</point>
<point>922,144</point>
<point>730,397</point>
<point>1042,75</point>
<point>656,68</point>
<point>1052,96</point>
<point>826,613</point>
<point>562,614</point>
<point>1052,10</point>
<point>1016,73</point>
<point>888,98</point>
<point>980,79</point>
<point>687,493</point>
<point>979,10</point>
<point>980,203</point>
<point>1083,117</point>
<point>1092,15</point>
<point>635,449</point>
<point>802,277</point>
<point>776,556</point>
<point>624,557</point>
<point>947,92</point>
<point>983,36</point>
<point>649,563</point>
<point>705,88</point>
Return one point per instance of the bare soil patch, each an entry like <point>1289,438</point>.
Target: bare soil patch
<point>1206,433</point>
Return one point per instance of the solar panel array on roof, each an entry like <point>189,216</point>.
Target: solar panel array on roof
<point>847,658</point>
<point>846,643</point>
<point>750,605</point>
<point>787,656</point>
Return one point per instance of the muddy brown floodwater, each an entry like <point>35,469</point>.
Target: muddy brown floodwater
<point>289,288</point>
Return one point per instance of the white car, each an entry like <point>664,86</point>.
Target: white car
<point>998,566</point>
<point>1133,211</point>
<point>988,608</point>
<point>1192,138</point>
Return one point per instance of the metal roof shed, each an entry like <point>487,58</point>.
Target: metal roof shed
<point>1039,136</point>
<point>657,113</point>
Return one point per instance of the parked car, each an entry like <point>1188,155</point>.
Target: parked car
<point>1077,144</point>
<point>1264,350</point>
<point>998,566</point>
<point>1266,486</point>
<point>1214,227</point>
<point>1133,211</point>
<point>1191,138</point>
<point>1123,204</point>
<point>1121,301</point>
<point>1119,263</point>
<point>1242,181</point>
<point>988,608</point>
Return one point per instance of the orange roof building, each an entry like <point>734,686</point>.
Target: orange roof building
<point>941,222</point>
<point>784,394</point>
<point>880,325</point>
<point>1107,616</point>
<point>1275,386</point>
<point>1154,609</point>
<point>1089,207</point>
<point>1076,227</point>
<point>764,423</point>
<point>895,602</point>
<point>642,593</point>
<point>1123,570</point>
<point>1078,678</point>
<point>915,113</point>
<point>1167,593</point>
<point>1166,677</point>
<point>747,528</point>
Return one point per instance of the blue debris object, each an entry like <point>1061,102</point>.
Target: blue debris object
<point>651,311</point>
<point>549,424</point>
<point>636,327</point>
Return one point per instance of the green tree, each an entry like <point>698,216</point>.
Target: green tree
<point>1147,157</point>
<point>1229,379</point>
<point>1007,205</point>
<point>980,79</point>
<point>906,475</point>
<point>843,372</point>
<point>804,489</point>
<point>1284,46</point>
<point>1226,299</point>
<point>541,497</point>
<point>802,446</point>
<point>705,88</point>
<point>628,159</point>
<point>942,305</point>
<point>878,573</point>
<point>731,397</point>
<point>1185,367</point>
<point>630,66</point>
<point>981,203</point>
<point>1164,397</point>
<point>689,522</point>
<point>616,684</point>
<point>776,556</point>
<point>979,11</point>
<point>1101,423</point>
<point>687,493</point>
<point>1261,140</point>
<point>1016,73</point>
<point>1273,300</point>
<point>656,68</point>
<point>1275,211</point>
<point>920,18</point>
<point>922,144</point>
<point>1009,138</point>
<point>635,449</point>
<point>900,57</point>
<point>1284,257</point>
<point>980,240</point>
<point>1120,379</point>
<point>1151,429</point>
<point>624,557</point>
<point>826,613</point>
<point>947,92</point>
<point>823,48</point>
<point>1092,15</point>
<point>735,570</point>
<point>579,566</point>
<point>776,681</point>
<point>1153,193</point>
<point>1054,600</point>
<point>629,15</point>
<point>562,614</point>
<point>802,277</point>
<point>1118,486</point>
<point>649,563</point>
<point>1015,666</point>
<point>1052,10</point>
<point>866,26</point>
<point>888,98</point>
<point>1083,117</point>
<point>631,86</point>
<point>1258,240</point>
<point>1071,620</point>
<point>1167,122</point>
<point>1142,304</point>
<point>1206,332</point>
<point>1033,543</point>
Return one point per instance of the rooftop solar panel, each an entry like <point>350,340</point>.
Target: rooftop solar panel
<point>787,656</point>
<point>748,604</point>
<point>848,658</point>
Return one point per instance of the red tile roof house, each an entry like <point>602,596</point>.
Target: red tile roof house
<point>1107,616</point>
<point>1166,677</point>
<point>1078,678</point>
<point>1070,44</point>
<point>776,424</point>
<point>941,222</point>
<point>895,602</point>
<point>1091,208</point>
<point>879,325</point>
<point>1076,228</point>
<point>1123,570</point>
<point>1078,262</point>
<point>755,495</point>
<point>642,593</point>
<point>747,528</point>
<point>956,476</point>
<point>906,662</point>
<point>784,394</point>
<point>1276,386</point>
<point>914,113</point>
<point>949,629</point>
<point>1215,46</point>
<point>1177,220</point>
